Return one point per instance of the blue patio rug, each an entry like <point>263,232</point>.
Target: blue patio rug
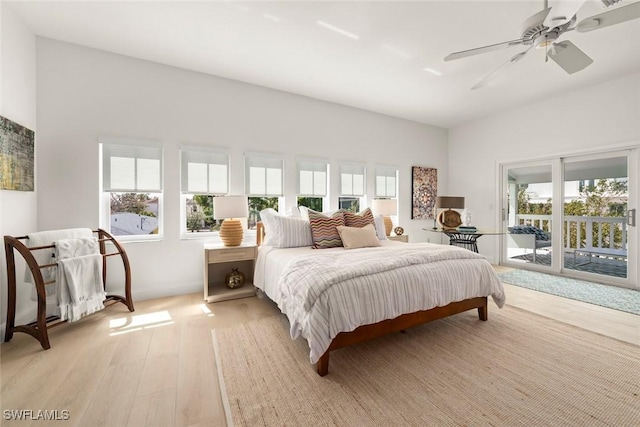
<point>593,293</point>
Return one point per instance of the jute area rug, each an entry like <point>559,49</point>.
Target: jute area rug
<point>517,369</point>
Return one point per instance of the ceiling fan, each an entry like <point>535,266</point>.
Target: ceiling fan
<point>544,29</point>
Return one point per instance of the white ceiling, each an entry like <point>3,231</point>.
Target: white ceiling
<point>282,46</point>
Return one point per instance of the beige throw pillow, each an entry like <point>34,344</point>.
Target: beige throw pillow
<point>358,237</point>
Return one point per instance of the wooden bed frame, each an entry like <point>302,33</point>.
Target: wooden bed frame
<point>368,332</point>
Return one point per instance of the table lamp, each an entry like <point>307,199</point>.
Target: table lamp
<point>386,208</point>
<point>449,218</point>
<point>230,208</point>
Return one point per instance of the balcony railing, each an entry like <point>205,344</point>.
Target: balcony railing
<point>589,233</point>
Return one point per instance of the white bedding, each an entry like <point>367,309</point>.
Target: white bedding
<point>325,292</point>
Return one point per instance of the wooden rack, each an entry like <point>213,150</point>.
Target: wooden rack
<point>38,328</point>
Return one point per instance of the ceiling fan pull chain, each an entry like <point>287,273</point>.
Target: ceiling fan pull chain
<point>546,49</point>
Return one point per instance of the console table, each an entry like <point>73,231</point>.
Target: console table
<point>464,239</point>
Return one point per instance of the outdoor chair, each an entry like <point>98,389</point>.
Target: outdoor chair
<point>530,237</point>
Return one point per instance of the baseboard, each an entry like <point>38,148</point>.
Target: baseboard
<point>24,317</point>
<point>29,315</point>
<point>146,294</point>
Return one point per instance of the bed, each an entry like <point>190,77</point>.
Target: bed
<point>335,297</point>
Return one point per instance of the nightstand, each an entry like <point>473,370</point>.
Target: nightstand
<point>403,238</point>
<point>218,261</point>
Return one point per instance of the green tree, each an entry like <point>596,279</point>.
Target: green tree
<point>131,202</point>
<point>195,220</point>
<point>314,203</point>
<point>606,198</point>
<point>203,216</point>
<point>256,204</point>
<point>351,204</point>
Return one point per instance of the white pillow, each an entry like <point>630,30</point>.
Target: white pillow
<point>294,212</point>
<point>358,237</point>
<point>381,231</point>
<point>284,231</point>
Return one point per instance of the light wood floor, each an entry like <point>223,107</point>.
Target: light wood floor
<point>156,366</point>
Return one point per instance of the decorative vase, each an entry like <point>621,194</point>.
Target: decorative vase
<point>467,218</point>
<point>234,279</point>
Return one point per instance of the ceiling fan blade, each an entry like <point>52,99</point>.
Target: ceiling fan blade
<point>569,57</point>
<point>479,50</point>
<point>536,20</point>
<point>562,11</point>
<point>500,70</point>
<point>610,17</point>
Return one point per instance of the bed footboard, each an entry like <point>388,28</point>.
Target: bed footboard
<point>368,332</point>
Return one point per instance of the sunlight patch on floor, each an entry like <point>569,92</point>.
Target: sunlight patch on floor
<point>206,310</point>
<point>139,322</point>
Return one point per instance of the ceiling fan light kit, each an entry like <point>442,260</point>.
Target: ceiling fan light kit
<point>543,31</point>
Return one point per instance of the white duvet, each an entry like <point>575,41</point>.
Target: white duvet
<point>325,292</point>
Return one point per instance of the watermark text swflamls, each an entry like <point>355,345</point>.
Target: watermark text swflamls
<point>36,415</point>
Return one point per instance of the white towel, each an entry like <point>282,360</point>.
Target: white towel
<point>47,256</point>
<point>80,290</point>
<point>72,248</point>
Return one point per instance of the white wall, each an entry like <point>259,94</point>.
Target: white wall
<point>85,93</point>
<point>17,103</point>
<point>603,115</point>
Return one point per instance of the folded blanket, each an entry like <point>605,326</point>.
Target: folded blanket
<point>80,290</point>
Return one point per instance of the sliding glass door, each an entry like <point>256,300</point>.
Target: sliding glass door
<point>573,216</point>
<point>528,213</point>
<point>594,227</point>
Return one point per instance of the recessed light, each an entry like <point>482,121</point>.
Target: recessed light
<point>338,30</point>
<point>432,71</point>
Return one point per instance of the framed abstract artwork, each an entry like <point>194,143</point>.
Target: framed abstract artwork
<point>16,156</point>
<point>424,187</point>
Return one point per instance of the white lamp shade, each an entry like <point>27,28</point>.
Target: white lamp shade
<point>230,207</point>
<point>385,207</point>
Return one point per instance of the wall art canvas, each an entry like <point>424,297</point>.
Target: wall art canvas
<point>425,188</point>
<point>16,156</point>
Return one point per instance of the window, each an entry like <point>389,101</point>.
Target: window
<point>263,180</point>
<point>312,178</point>
<point>386,181</point>
<point>131,187</point>
<point>312,183</point>
<point>204,175</point>
<point>349,203</point>
<point>257,204</point>
<point>314,203</point>
<point>352,179</point>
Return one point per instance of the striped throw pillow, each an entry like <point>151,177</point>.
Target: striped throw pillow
<point>324,231</point>
<point>360,219</point>
<point>285,231</point>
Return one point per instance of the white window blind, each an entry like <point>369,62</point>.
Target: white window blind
<point>131,166</point>
<point>263,175</point>
<point>204,171</point>
<point>352,179</point>
<point>312,178</point>
<point>386,181</point>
